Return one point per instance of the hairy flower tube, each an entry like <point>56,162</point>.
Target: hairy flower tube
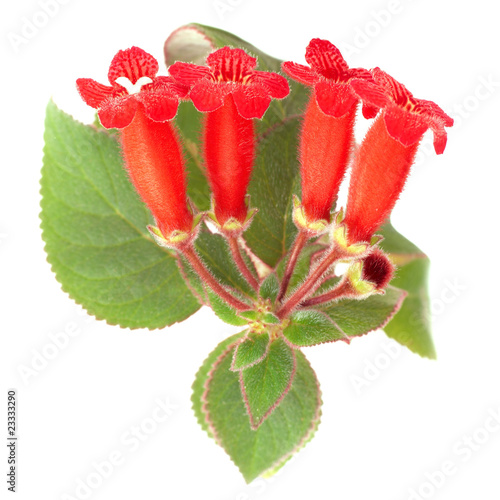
<point>232,93</point>
<point>379,171</point>
<point>382,163</point>
<point>327,135</point>
<point>142,105</point>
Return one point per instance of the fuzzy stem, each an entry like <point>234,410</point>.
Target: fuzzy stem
<point>238,259</point>
<point>310,284</point>
<point>298,245</point>
<point>343,289</point>
<point>261,268</point>
<point>192,257</point>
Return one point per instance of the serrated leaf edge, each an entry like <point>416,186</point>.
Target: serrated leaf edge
<point>307,437</point>
<point>389,317</point>
<point>281,461</point>
<point>204,399</point>
<point>43,222</point>
<point>396,309</point>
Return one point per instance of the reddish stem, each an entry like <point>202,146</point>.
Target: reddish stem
<point>343,289</point>
<point>311,283</point>
<point>192,257</point>
<point>298,245</point>
<point>238,259</point>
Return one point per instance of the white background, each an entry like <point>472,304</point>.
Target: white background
<point>385,431</point>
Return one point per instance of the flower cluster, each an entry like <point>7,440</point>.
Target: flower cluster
<point>232,94</point>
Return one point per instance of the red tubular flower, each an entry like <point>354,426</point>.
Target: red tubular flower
<point>382,163</point>
<point>233,93</point>
<point>133,79</point>
<point>327,136</point>
<point>141,104</point>
<point>156,166</point>
<point>406,117</point>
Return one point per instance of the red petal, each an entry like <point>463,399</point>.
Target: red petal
<point>300,73</point>
<point>405,127</point>
<point>409,117</point>
<point>369,111</point>
<point>251,101</point>
<point>362,73</point>
<point>440,138</point>
<point>118,112</point>
<point>207,95</point>
<point>231,65</point>
<point>188,74</point>
<point>392,88</point>
<point>334,99</point>
<point>92,92</point>
<point>437,120</point>
<point>325,58</point>
<point>159,106</point>
<point>276,85</point>
<point>132,63</point>
<point>434,111</point>
<point>170,86</point>
<point>371,93</point>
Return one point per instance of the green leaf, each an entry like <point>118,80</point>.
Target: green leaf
<point>395,243</point>
<point>274,182</point>
<point>411,326</point>
<point>358,317</point>
<point>275,175</point>
<point>271,319</point>
<point>269,288</point>
<point>250,351</point>
<point>192,280</point>
<point>312,327</point>
<point>214,251</point>
<point>201,378</point>
<point>94,227</point>
<point>188,121</point>
<point>265,384</point>
<point>222,413</point>
<point>224,311</point>
<point>251,315</point>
